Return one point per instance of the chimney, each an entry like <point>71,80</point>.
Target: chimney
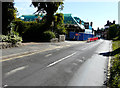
<point>91,23</point>
<point>108,22</point>
<point>114,22</point>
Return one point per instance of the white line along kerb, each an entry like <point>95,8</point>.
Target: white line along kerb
<point>61,60</point>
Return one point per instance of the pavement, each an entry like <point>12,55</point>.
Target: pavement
<point>34,47</point>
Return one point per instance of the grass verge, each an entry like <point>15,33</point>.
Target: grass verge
<point>114,81</point>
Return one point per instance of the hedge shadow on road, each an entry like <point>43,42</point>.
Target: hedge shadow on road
<point>112,53</point>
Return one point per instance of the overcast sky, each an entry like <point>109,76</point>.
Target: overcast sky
<point>96,11</point>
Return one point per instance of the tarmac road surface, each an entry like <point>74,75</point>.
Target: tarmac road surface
<point>78,65</point>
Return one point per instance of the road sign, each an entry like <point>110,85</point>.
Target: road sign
<point>76,34</point>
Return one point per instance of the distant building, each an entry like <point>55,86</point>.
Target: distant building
<point>77,28</point>
<point>106,27</point>
<point>77,25</point>
<point>109,24</point>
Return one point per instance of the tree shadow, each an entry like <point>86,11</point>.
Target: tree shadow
<point>112,53</point>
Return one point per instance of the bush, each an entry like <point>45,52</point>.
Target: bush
<point>12,37</point>
<point>3,38</point>
<point>47,35</point>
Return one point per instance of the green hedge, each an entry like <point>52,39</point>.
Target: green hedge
<point>21,26</point>
<point>30,31</point>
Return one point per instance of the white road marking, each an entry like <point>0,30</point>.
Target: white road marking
<point>4,86</point>
<point>15,70</point>
<point>48,55</point>
<point>84,48</point>
<point>80,61</point>
<point>83,57</point>
<point>75,64</point>
<point>61,60</point>
<point>68,45</point>
<point>57,49</point>
<point>89,46</point>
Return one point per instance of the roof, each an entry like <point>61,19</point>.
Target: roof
<point>68,19</point>
<point>29,17</point>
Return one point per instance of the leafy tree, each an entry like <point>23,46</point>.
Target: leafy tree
<point>113,31</point>
<point>102,29</point>
<point>59,27</point>
<point>49,8</point>
<point>8,14</point>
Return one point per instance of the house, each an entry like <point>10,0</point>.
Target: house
<point>77,28</point>
<point>106,26</point>
<point>109,24</point>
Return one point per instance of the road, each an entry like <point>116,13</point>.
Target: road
<point>77,65</point>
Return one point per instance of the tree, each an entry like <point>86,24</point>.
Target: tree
<point>49,8</point>
<point>8,14</point>
<point>113,31</point>
<point>59,27</point>
<point>102,29</point>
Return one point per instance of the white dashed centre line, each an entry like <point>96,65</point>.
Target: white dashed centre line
<point>61,60</point>
<point>15,70</point>
<point>48,55</point>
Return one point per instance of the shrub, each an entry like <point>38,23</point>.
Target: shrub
<point>12,37</point>
<point>3,38</point>
<point>47,35</point>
